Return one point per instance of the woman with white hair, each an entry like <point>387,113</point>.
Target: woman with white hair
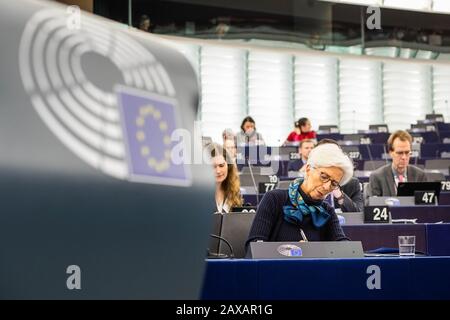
<point>300,213</point>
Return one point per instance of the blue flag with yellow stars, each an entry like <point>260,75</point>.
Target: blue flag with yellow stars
<point>148,121</point>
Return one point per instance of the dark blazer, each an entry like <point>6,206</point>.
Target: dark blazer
<point>295,165</point>
<point>353,197</point>
<point>382,182</point>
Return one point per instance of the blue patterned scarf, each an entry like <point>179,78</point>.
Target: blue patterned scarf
<point>298,208</point>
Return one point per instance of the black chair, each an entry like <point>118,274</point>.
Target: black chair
<point>423,127</point>
<point>438,164</point>
<point>379,127</point>
<point>329,128</point>
<point>435,176</point>
<point>435,117</point>
<point>234,227</point>
<point>284,184</point>
<point>371,165</point>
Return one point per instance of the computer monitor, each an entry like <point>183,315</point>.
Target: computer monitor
<point>408,188</point>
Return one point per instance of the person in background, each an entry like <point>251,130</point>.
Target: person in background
<point>228,134</point>
<point>248,134</point>
<point>349,197</point>
<point>145,23</point>
<point>229,142</point>
<point>230,146</point>
<point>301,132</point>
<point>383,182</point>
<point>304,149</point>
<point>300,212</point>
<point>222,29</point>
<point>227,180</point>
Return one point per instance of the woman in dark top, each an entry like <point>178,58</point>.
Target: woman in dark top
<point>248,135</point>
<point>283,215</point>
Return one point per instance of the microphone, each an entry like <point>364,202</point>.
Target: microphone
<point>370,156</point>
<point>354,121</point>
<point>218,255</point>
<point>446,109</point>
<point>254,182</point>
<point>385,152</point>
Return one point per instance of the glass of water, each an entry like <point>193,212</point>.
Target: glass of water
<point>407,246</point>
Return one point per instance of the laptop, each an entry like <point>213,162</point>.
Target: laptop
<point>408,188</point>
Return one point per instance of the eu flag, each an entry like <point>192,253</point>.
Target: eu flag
<point>148,121</point>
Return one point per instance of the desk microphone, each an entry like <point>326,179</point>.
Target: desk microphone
<point>218,255</point>
<point>416,159</point>
<point>254,183</point>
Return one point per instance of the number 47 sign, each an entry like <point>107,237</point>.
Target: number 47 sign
<point>425,198</point>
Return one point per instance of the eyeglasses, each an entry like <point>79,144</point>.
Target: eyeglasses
<point>325,178</point>
<point>403,153</point>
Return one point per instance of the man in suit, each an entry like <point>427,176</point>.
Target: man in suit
<point>304,150</point>
<point>384,180</point>
<point>349,197</point>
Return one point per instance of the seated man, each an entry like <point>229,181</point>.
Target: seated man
<point>304,149</point>
<point>349,197</point>
<point>384,180</point>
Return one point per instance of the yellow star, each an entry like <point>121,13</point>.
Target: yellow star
<point>163,126</point>
<point>167,140</point>
<point>140,121</point>
<point>140,135</point>
<point>163,165</point>
<point>146,110</point>
<point>157,115</point>
<point>145,151</point>
<point>151,162</point>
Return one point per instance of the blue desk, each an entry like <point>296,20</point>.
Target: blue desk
<point>445,136</point>
<point>444,198</point>
<point>423,214</point>
<point>375,236</point>
<point>438,242</point>
<point>428,136</point>
<point>443,126</point>
<point>431,239</point>
<point>434,150</point>
<point>400,278</point>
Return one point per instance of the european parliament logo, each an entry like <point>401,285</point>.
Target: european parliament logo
<point>134,144</point>
<point>148,121</point>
